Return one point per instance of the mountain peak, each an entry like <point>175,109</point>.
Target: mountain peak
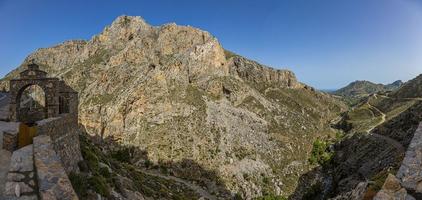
<point>125,21</point>
<point>124,28</point>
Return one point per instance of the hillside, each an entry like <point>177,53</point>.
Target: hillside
<point>411,89</point>
<point>378,131</point>
<point>187,106</point>
<point>359,89</point>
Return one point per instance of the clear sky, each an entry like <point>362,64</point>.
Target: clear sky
<point>327,43</point>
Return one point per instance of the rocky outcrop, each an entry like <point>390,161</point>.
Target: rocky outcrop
<point>356,194</point>
<point>164,90</point>
<point>259,74</point>
<point>392,190</point>
<point>411,89</point>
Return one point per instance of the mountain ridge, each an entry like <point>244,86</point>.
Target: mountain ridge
<point>364,87</point>
<point>174,92</point>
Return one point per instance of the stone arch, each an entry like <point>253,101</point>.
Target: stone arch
<point>59,97</point>
<point>34,76</point>
<point>33,112</point>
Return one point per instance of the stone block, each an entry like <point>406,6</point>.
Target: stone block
<point>15,177</point>
<point>17,189</point>
<point>10,141</point>
<point>22,160</point>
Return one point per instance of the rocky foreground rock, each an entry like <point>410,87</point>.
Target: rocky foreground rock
<point>192,107</point>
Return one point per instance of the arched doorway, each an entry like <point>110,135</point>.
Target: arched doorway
<point>31,104</point>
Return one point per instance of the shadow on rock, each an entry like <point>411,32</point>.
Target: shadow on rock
<point>116,171</point>
<point>362,159</point>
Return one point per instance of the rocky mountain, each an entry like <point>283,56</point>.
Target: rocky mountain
<point>365,88</point>
<point>411,89</point>
<point>220,121</point>
<point>394,85</point>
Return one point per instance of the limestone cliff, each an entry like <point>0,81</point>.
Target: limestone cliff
<point>171,91</point>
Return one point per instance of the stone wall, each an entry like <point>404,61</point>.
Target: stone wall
<point>52,179</point>
<point>10,141</point>
<point>410,172</point>
<point>407,184</point>
<point>21,182</point>
<point>64,133</point>
<point>36,171</point>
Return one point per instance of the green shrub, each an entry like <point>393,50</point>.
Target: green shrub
<point>104,172</point>
<point>91,158</point>
<point>237,196</point>
<point>320,153</point>
<point>123,155</point>
<point>271,197</point>
<point>99,185</point>
<point>79,183</point>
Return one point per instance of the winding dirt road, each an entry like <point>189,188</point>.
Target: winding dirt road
<point>388,140</point>
<point>383,116</point>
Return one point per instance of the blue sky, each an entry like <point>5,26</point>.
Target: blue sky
<point>327,43</point>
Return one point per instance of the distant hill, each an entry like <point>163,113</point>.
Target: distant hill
<point>411,89</point>
<point>365,88</point>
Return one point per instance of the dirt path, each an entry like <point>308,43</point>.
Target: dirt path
<point>195,188</point>
<point>416,98</point>
<point>388,140</point>
<point>383,116</point>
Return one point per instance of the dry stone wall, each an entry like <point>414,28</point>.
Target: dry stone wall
<point>36,172</point>
<point>64,135</point>
<point>52,179</point>
<point>407,184</point>
<point>21,183</point>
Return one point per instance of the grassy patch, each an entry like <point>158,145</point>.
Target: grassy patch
<point>99,184</point>
<point>80,184</point>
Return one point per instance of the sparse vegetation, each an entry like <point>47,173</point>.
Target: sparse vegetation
<point>80,184</point>
<point>229,54</point>
<point>271,197</point>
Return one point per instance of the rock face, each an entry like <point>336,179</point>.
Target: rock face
<point>173,92</point>
<point>392,190</point>
<point>252,71</point>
